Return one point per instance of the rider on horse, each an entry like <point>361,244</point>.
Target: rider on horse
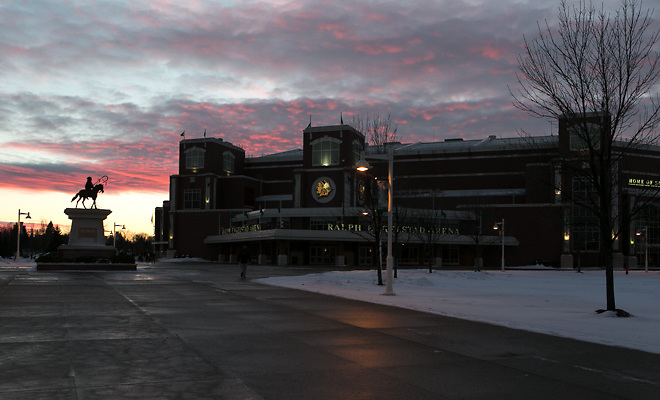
<point>90,191</point>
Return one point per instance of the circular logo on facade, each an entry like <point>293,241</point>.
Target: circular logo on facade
<point>323,189</point>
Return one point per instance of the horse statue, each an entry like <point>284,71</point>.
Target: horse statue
<point>88,194</point>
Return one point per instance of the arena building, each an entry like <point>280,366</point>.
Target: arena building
<point>456,203</point>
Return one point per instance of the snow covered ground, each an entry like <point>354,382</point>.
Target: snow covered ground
<point>556,302</point>
<point>561,303</point>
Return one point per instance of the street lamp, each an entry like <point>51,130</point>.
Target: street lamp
<point>114,234</point>
<point>18,241</point>
<point>362,166</point>
<point>645,229</point>
<point>500,226</point>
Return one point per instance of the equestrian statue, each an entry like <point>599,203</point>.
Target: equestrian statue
<point>90,191</point>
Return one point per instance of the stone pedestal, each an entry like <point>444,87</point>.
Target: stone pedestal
<point>86,237</point>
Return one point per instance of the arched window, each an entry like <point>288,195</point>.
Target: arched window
<point>228,162</point>
<point>325,151</point>
<point>194,158</point>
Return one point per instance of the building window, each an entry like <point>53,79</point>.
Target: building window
<point>357,151</point>
<point>228,162</point>
<point>584,141</point>
<point>586,234</point>
<point>586,238</point>
<point>409,255</point>
<point>192,199</point>
<point>365,255</point>
<point>325,152</point>
<point>321,224</point>
<point>450,254</point>
<point>322,255</point>
<point>194,158</point>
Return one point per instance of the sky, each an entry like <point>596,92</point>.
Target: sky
<point>553,302</point>
<point>105,88</point>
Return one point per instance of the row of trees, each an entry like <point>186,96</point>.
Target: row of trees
<point>44,239</point>
<point>47,238</point>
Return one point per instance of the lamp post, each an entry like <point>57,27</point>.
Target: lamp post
<point>114,233</point>
<point>18,241</point>
<point>500,226</point>
<point>362,166</point>
<point>645,229</point>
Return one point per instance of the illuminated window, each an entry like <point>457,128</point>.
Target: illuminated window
<point>194,158</point>
<point>192,199</point>
<point>325,152</point>
<point>228,162</point>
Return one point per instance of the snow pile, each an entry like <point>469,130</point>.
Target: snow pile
<point>561,303</point>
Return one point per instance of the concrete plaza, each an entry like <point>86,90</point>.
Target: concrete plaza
<point>196,331</point>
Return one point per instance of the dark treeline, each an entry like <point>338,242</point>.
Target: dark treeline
<point>34,241</point>
<point>48,237</point>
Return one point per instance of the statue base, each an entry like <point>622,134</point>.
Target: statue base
<point>86,249</point>
<point>87,236</point>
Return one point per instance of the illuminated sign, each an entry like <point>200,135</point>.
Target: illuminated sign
<point>441,230</point>
<point>240,229</point>
<point>650,183</point>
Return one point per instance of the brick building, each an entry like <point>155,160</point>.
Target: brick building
<point>310,206</point>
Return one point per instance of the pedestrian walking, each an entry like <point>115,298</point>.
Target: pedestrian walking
<point>243,258</point>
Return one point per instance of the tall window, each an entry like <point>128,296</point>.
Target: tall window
<point>357,150</point>
<point>325,152</point>
<point>365,255</point>
<point>194,158</point>
<point>586,234</point>
<point>192,199</point>
<point>450,254</point>
<point>228,162</point>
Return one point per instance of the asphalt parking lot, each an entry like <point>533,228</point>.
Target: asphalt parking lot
<point>196,331</point>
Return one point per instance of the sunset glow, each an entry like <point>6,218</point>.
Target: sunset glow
<point>107,87</point>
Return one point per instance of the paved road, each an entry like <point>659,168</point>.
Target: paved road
<point>196,331</point>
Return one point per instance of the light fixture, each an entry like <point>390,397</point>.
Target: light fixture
<point>18,226</point>
<point>362,165</point>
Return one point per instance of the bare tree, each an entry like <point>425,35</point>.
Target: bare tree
<point>429,231</point>
<point>377,128</point>
<point>595,64</point>
<point>374,206</point>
